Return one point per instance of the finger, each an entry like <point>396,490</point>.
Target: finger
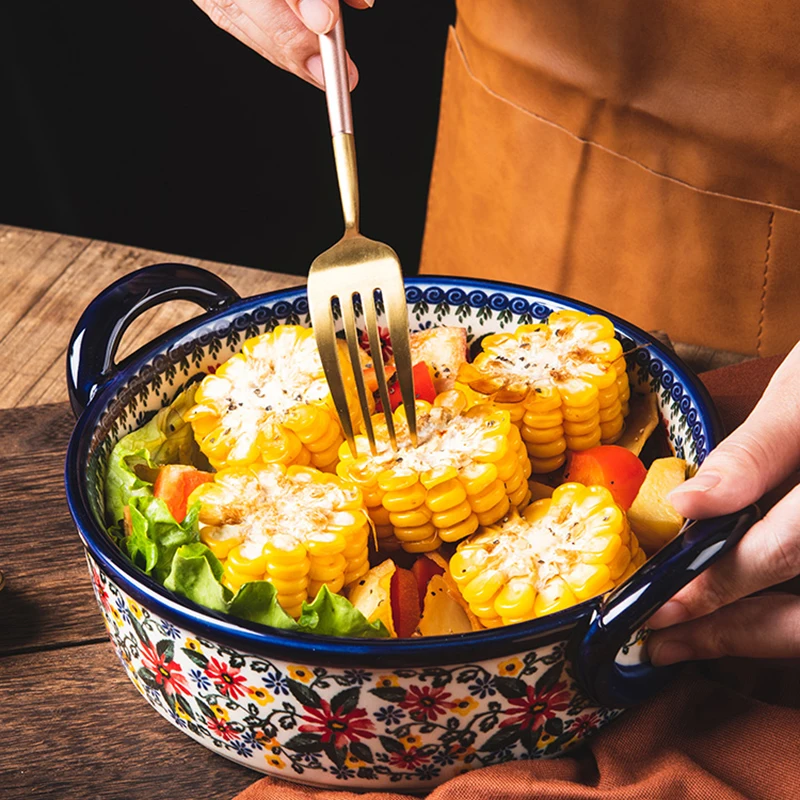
<point>270,28</point>
<point>768,554</point>
<point>360,3</point>
<point>318,16</point>
<point>757,627</point>
<point>314,65</point>
<point>757,456</point>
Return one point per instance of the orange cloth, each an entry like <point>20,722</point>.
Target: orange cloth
<point>722,731</point>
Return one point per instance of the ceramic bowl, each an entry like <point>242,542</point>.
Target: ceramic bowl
<point>365,714</point>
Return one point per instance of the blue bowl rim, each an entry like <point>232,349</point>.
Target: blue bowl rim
<point>330,650</point>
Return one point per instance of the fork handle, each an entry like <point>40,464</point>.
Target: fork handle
<point>337,93</point>
<point>337,80</point>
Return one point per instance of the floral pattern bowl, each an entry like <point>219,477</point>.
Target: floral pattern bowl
<point>367,714</point>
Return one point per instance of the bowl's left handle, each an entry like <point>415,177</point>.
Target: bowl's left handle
<point>93,346</point>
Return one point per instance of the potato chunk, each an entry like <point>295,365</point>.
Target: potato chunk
<point>652,517</point>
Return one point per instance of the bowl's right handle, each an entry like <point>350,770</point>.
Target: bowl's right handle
<point>609,677</point>
<point>93,346</point>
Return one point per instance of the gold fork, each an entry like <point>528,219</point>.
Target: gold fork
<point>356,267</point>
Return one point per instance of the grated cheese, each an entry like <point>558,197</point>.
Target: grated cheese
<point>558,353</point>
<point>283,510</point>
<point>444,440</point>
<point>538,551</point>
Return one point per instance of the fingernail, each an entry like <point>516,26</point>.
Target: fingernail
<point>315,15</point>
<point>700,483</point>
<point>670,652</point>
<point>314,66</point>
<point>370,3</point>
<point>671,613</point>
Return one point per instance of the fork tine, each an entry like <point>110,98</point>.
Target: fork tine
<point>376,353</point>
<point>394,298</point>
<point>325,335</point>
<point>351,337</point>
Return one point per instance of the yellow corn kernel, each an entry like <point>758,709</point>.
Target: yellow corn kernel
<point>541,466</point>
<point>220,541</point>
<point>405,499</point>
<point>452,516</point>
<point>484,587</point>
<point>495,513</point>
<point>515,599</point>
<point>415,534</point>
<point>459,531</point>
<point>549,450</point>
<point>520,496</point>
<point>410,519</point>
<point>555,596</point>
<point>327,568</point>
<point>445,495</point>
<point>424,546</point>
<point>488,498</point>
<point>477,477</point>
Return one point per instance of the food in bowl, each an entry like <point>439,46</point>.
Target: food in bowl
<point>243,496</point>
<point>371,712</point>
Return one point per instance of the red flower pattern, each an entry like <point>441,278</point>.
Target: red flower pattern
<point>341,727</point>
<point>101,590</point>
<point>222,728</point>
<point>408,759</point>
<point>386,342</point>
<point>423,703</point>
<point>585,724</point>
<point>227,680</point>
<point>167,673</point>
<point>536,708</point>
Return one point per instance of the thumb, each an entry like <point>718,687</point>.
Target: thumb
<point>757,456</point>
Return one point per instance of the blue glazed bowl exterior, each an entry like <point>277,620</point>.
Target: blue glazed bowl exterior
<point>369,714</point>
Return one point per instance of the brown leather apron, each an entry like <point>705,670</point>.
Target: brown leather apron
<point>641,156</point>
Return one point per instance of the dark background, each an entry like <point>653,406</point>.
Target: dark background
<point>142,123</point>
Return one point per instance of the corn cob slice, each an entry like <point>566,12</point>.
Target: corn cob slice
<point>298,528</point>
<point>562,550</point>
<point>271,404</point>
<point>469,468</point>
<point>563,382</point>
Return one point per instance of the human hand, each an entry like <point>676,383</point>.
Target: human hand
<point>283,31</point>
<point>714,616</point>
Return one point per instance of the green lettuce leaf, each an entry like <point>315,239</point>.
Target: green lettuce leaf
<point>155,535</point>
<point>334,615</point>
<point>195,574</point>
<point>132,467</point>
<point>258,602</point>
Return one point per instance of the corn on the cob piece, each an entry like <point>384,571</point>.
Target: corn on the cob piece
<point>469,468</point>
<point>270,403</point>
<point>298,528</point>
<point>562,550</point>
<point>564,383</point>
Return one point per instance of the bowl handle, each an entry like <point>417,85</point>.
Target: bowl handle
<point>613,671</point>
<point>94,342</point>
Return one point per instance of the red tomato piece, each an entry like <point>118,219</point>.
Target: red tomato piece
<point>406,608</point>
<point>609,465</point>
<point>174,484</point>
<point>423,387</point>
<point>424,569</point>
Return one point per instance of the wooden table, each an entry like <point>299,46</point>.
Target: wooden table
<point>73,725</point>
